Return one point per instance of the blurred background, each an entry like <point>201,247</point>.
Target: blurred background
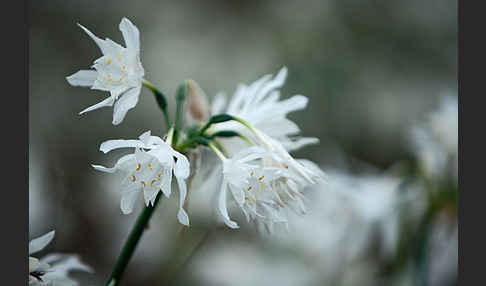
<point>381,81</point>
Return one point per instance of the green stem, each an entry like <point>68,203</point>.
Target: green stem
<point>131,243</point>
<point>160,98</point>
<point>217,151</point>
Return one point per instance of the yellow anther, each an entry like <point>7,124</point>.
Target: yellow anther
<point>133,178</point>
<point>249,188</point>
<point>108,61</point>
<point>251,174</point>
<point>150,166</point>
<point>138,166</point>
<point>261,178</point>
<point>152,182</point>
<point>144,184</point>
<point>247,198</point>
<point>158,176</point>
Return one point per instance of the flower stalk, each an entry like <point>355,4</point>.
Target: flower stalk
<point>160,98</point>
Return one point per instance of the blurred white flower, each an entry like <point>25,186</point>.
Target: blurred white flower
<point>259,104</point>
<point>148,172</point>
<point>435,141</point>
<point>264,193</point>
<point>118,71</point>
<point>54,268</point>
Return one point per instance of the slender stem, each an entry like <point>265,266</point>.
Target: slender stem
<point>159,96</point>
<point>217,151</point>
<point>131,243</point>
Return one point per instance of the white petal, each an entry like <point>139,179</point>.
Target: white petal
<point>181,168</point>
<point>299,143</point>
<point>277,82</point>
<point>131,35</point>
<point>39,243</point>
<point>128,201</point>
<point>104,169</point>
<point>82,78</point>
<point>126,102</point>
<point>100,42</point>
<point>294,103</point>
<point>223,210</point>
<point>107,102</point>
<point>166,183</point>
<point>109,145</point>
<point>181,214</point>
<point>145,137</point>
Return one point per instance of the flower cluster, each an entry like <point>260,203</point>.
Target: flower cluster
<point>250,134</point>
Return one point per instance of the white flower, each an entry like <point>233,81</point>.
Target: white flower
<point>435,141</point>
<point>118,71</point>
<point>259,104</point>
<point>52,269</point>
<point>263,193</point>
<point>149,171</point>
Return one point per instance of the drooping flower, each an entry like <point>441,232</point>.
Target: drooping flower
<point>263,193</point>
<point>148,170</point>
<point>54,268</point>
<point>118,71</point>
<point>259,104</point>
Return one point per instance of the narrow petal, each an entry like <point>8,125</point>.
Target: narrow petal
<point>109,145</point>
<point>131,35</point>
<point>98,41</point>
<point>277,82</point>
<point>166,183</point>
<point>126,102</point>
<point>107,102</point>
<point>104,169</point>
<point>181,168</point>
<point>39,243</point>
<point>128,201</point>
<point>181,214</point>
<point>65,262</point>
<point>82,78</point>
<point>223,210</point>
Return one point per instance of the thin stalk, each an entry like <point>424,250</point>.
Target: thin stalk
<point>131,243</point>
<point>217,151</point>
<point>160,98</point>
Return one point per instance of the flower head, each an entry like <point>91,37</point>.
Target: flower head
<point>264,193</point>
<point>52,269</point>
<point>260,105</point>
<point>118,71</point>
<point>148,170</point>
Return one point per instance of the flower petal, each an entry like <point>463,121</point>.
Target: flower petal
<point>182,167</point>
<point>82,78</point>
<point>100,42</point>
<point>39,243</point>
<point>223,210</point>
<point>107,102</point>
<point>126,102</point>
<point>181,214</point>
<point>109,145</point>
<point>131,35</point>
<point>128,201</point>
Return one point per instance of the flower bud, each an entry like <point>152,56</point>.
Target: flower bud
<point>196,104</point>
